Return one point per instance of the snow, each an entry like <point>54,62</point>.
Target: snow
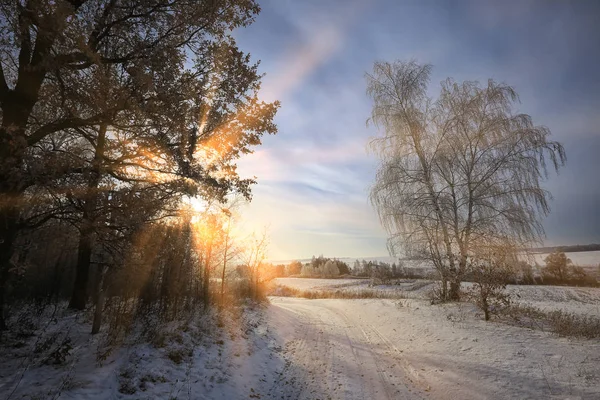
<point>408,349</point>
<point>578,300</point>
<point>297,348</point>
<point>318,283</point>
<point>186,359</point>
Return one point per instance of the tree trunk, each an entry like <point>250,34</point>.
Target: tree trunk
<point>206,283</point>
<point>444,288</point>
<point>17,105</point>
<point>486,306</point>
<point>11,155</point>
<point>3,279</point>
<point>256,284</point>
<point>3,284</point>
<point>454,293</point>
<point>8,234</point>
<point>86,242</point>
<point>100,295</point>
<point>224,264</point>
<point>82,272</point>
<point>54,293</point>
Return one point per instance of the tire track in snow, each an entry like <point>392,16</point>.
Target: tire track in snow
<point>387,385</point>
<point>349,358</point>
<point>409,369</point>
<point>378,369</point>
<point>284,385</point>
<point>302,355</point>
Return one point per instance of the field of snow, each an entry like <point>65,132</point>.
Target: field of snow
<point>359,288</point>
<point>582,301</point>
<point>318,283</point>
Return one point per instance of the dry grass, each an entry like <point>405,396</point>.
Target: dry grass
<point>560,322</point>
<point>359,293</point>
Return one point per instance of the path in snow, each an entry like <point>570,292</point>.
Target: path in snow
<point>377,349</point>
<point>332,354</point>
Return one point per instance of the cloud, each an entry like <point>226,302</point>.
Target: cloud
<point>315,174</point>
<point>299,220</point>
<point>317,40</point>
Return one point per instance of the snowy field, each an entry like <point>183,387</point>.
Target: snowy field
<point>582,301</point>
<point>447,351</point>
<point>405,288</point>
<point>297,348</point>
<point>317,283</point>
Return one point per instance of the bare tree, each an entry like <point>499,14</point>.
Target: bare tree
<point>227,213</point>
<point>458,173</point>
<point>254,258</point>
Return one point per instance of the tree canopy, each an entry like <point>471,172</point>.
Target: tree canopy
<point>113,110</point>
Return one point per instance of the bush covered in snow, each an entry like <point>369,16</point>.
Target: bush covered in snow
<point>327,270</point>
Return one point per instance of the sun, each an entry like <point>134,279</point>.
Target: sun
<point>196,205</point>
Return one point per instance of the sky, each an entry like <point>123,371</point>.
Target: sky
<point>314,176</point>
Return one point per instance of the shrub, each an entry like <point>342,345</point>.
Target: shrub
<point>569,324</point>
<point>523,274</point>
<point>381,275</point>
<point>489,278</point>
<point>176,355</point>
<point>557,266</point>
<point>294,268</point>
<point>560,322</point>
<point>60,354</point>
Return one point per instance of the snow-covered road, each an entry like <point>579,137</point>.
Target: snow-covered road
<point>334,354</point>
<point>382,349</point>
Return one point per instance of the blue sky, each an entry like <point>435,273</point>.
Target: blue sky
<point>314,175</point>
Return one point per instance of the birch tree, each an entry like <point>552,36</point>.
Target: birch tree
<point>458,174</point>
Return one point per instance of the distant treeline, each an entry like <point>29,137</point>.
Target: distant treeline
<point>568,249</point>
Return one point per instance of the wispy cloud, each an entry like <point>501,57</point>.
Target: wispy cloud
<point>318,40</point>
<point>314,176</point>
